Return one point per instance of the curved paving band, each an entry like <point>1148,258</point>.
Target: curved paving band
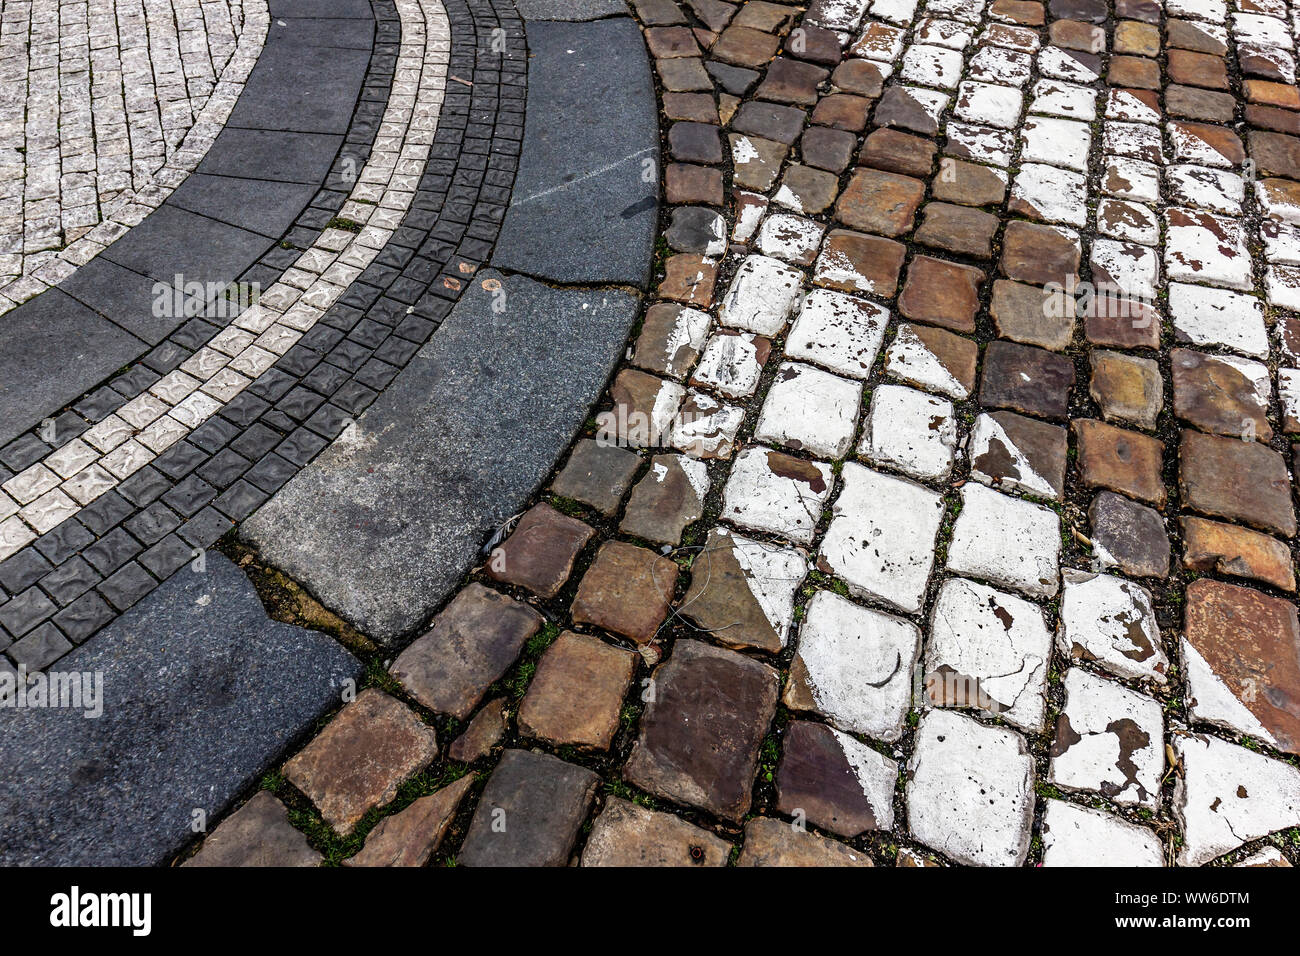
<point>811,613</point>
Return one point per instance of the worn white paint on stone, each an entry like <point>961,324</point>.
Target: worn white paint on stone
<point>910,360</point>
<point>706,427</point>
<point>1060,142</point>
<point>1079,836</point>
<point>1211,700</point>
<point>856,664</point>
<point>839,331</point>
<point>875,773</point>
<point>730,363</point>
<point>1051,193</point>
<point>879,41</point>
<point>1127,268</point>
<point>841,14</point>
<point>790,238</point>
<point>682,343</point>
<point>970,790</point>
<point>988,651</point>
<point>1007,541</point>
<point>984,434</point>
<point>1276,200</point>
<point>1128,221</point>
<point>764,494</point>
<point>1133,141</point>
<point>1109,740</point>
<point>1190,148</point>
<point>1122,105</point>
<point>1204,316</point>
<point>1288,392</point>
<point>1066,100</point>
<point>988,104</point>
<point>932,66</point>
<point>1131,179</point>
<point>1202,247</point>
<point>881,537</point>
<point>1058,64</point>
<point>1265,856</point>
<point>810,410</point>
<point>940,32</point>
<point>749,208</point>
<point>993,64</point>
<point>773,575</point>
<point>910,430</point>
<point>762,295</point>
<point>1111,620</point>
<point>1201,187</point>
<point>1282,283</point>
<point>983,144</point>
<point>1227,795</point>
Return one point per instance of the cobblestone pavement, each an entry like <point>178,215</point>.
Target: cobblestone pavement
<point>105,107</point>
<point>939,511</point>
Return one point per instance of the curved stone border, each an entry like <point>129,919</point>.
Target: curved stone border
<point>151,524</point>
<point>135,203</point>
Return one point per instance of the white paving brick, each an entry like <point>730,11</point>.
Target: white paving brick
<point>770,491</point>
<point>1005,540</point>
<point>881,537</point>
<point>810,410</point>
<point>1110,620</point>
<point>1078,836</point>
<point>910,430</point>
<point>840,331</point>
<point>762,295</point>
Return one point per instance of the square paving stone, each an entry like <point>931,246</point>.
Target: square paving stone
<point>643,412</point>
<point>988,651</point>
<point>732,363</point>
<point>530,812</point>
<point>1228,795</point>
<point>742,591</point>
<point>1111,621</point>
<point>685,183</point>
<point>744,46</point>
<point>762,295</point>
<point>695,142</point>
<point>842,111</point>
<point>1239,552</point>
<point>597,475</point>
<point>970,790</point>
<point>1049,194</point>
<point>1109,740</point>
<point>669,497</point>
<point>670,340</point>
<point>1129,536</point>
<point>626,591</point>
<point>791,81</point>
<point>859,76</point>
<point>1034,316</point>
<point>626,834</point>
<point>1213,470</point>
<point>988,522</point>
<point>854,666</point>
<point>770,121</point>
<point>810,410</point>
<point>257,834</point>
<point>834,782</point>
<point>829,149</point>
<point>1121,460</point>
<point>553,712</point>
<point>897,152</point>
<point>1126,387</point>
<point>774,492</point>
<point>707,428</point>
<point>911,109</point>
<point>1222,394</point>
<point>792,239</point>
<point>881,537</point>
<point>880,202</point>
<point>933,359</point>
<point>1026,379</point>
<point>474,640</point>
<point>701,732</point>
<point>410,836</point>
<point>1122,323</point>
<point>911,431</point>
<point>958,229</point>
<point>806,190</point>
<point>841,332</point>
<point>853,262</point>
<point>941,293</point>
<point>1242,650</point>
<point>1015,453</point>
<point>756,161</point>
<point>1077,836</point>
<point>361,757</point>
<point>968,183</point>
<point>540,552</point>
<point>1039,254</point>
<point>771,842</point>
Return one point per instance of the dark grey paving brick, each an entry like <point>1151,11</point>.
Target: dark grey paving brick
<point>383,533</point>
<point>198,697</point>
